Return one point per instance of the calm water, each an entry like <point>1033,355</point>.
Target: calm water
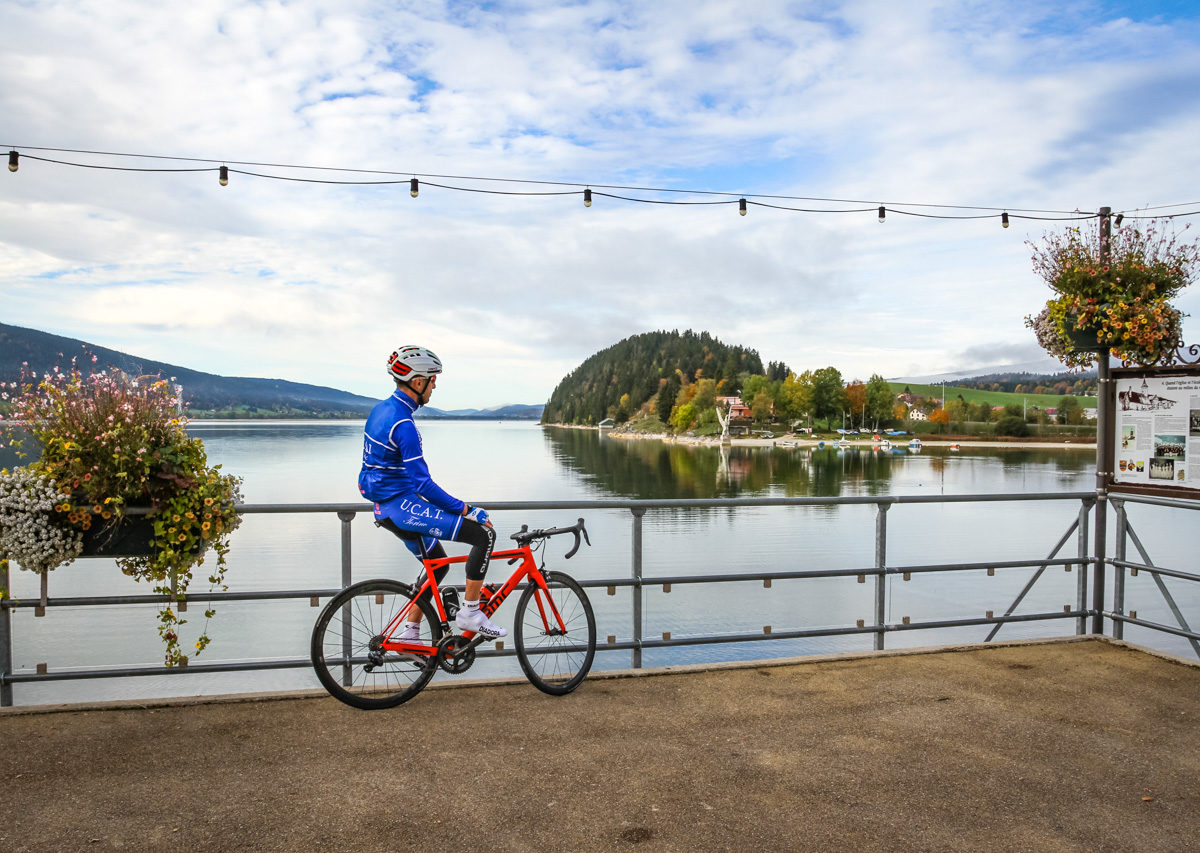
<point>486,462</point>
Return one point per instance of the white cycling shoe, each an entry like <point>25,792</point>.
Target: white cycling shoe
<point>477,621</point>
<point>410,633</point>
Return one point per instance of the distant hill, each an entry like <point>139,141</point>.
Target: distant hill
<point>1060,384</point>
<point>202,392</point>
<point>499,413</point>
<point>994,398</point>
<point>207,394</point>
<point>1076,384</point>
<point>618,380</point>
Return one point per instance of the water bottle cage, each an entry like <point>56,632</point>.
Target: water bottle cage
<point>450,602</point>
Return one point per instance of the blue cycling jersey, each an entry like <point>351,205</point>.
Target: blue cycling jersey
<point>393,459</point>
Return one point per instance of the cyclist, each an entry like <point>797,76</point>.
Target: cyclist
<point>407,501</point>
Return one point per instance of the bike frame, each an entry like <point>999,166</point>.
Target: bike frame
<point>492,599</point>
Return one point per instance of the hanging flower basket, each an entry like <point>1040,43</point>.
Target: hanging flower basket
<point>128,536</point>
<point>1085,337</point>
<point>1117,301</point>
<point>109,443</point>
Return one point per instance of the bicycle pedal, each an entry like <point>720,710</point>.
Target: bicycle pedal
<point>475,639</point>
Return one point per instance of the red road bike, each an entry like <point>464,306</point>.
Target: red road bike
<point>360,660</point>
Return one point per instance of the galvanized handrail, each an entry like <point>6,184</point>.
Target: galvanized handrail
<point>880,570</point>
<point>1125,534</point>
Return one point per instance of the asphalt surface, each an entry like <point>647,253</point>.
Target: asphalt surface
<point>1061,746</point>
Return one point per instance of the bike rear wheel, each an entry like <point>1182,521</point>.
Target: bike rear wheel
<point>343,657</point>
<point>554,662</point>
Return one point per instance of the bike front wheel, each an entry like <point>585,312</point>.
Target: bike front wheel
<point>345,646</point>
<point>555,660</point>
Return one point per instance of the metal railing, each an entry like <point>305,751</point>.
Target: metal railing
<point>880,571</point>
<point>1125,535</point>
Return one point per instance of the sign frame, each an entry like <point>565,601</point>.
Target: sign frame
<point>1127,441</point>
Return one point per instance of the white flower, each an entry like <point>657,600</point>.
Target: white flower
<point>31,531</point>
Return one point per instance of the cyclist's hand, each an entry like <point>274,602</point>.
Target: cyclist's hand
<point>479,514</point>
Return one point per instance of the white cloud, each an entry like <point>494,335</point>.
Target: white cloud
<point>1025,107</point>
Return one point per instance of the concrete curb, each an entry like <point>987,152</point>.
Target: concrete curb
<point>651,672</point>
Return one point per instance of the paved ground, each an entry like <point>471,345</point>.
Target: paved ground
<point>1061,746</point>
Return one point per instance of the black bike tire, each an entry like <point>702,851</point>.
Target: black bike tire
<point>536,678</point>
<point>329,679</point>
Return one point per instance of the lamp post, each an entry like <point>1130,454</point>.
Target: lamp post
<point>1104,416</point>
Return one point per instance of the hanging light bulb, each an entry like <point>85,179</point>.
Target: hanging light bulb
<point>12,161</point>
<point>742,206</point>
<point>882,213</point>
<point>1120,216</point>
<point>587,197</point>
<point>224,176</point>
<point>1004,219</point>
<point>414,188</point>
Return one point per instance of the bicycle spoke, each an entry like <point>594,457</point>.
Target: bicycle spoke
<point>346,653</point>
<point>554,660</point>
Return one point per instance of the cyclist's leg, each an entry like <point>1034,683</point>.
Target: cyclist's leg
<point>482,540</point>
<point>418,516</point>
<point>422,547</point>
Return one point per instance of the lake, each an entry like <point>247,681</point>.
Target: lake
<point>487,462</point>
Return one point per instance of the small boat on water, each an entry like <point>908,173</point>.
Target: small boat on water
<point>915,444</point>
<point>954,448</point>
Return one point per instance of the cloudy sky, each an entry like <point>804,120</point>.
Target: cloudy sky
<point>1018,105</point>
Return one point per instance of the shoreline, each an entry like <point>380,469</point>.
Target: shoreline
<point>791,441</point>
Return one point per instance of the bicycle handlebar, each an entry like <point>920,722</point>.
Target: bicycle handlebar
<point>524,536</point>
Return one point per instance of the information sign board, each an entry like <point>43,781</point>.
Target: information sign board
<point>1157,437</point>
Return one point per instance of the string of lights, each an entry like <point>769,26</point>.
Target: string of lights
<point>586,190</point>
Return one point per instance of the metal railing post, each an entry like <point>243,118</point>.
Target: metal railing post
<point>638,512</point>
<point>1119,571</point>
<point>1081,581</point>
<point>881,577</point>
<point>347,672</point>
<point>1105,419</point>
<point>346,518</point>
<point>6,691</point>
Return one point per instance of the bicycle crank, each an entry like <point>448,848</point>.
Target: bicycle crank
<point>455,653</point>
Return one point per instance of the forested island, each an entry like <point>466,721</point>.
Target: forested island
<point>675,382</point>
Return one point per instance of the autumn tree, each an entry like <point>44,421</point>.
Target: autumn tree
<point>706,394</point>
<point>760,407</point>
<point>683,417</point>
<point>829,394</point>
<point>856,402</point>
<point>879,399</point>
<point>752,386</point>
<point>796,397</point>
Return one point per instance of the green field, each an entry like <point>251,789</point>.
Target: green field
<point>995,398</point>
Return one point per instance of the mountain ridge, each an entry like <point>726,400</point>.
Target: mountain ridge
<point>211,394</point>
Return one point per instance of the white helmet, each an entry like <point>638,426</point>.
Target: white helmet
<point>406,362</point>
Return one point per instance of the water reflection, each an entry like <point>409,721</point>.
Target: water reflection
<point>649,468</point>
